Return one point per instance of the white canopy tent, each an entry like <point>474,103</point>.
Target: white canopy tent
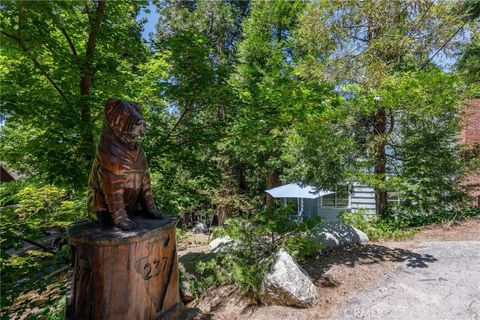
<point>296,190</point>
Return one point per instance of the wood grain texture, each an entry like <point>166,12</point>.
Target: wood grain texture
<point>124,275</point>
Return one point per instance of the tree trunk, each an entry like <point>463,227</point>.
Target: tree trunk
<point>379,136</point>
<point>241,177</point>
<point>87,73</point>
<point>273,180</point>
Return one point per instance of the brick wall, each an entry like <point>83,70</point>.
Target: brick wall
<point>471,123</point>
<point>470,135</point>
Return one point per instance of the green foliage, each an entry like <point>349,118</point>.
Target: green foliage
<point>373,51</point>
<point>271,95</point>
<point>210,274</point>
<point>402,224</point>
<point>50,128</point>
<point>375,227</point>
<point>30,209</point>
<point>468,65</point>
<point>35,209</point>
<point>428,159</point>
<point>409,219</point>
<point>255,242</point>
<point>423,162</point>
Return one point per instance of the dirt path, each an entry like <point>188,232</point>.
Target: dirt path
<point>364,270</point>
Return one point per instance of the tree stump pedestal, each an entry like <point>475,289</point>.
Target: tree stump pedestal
<point>124,274</point>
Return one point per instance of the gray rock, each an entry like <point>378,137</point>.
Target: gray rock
<point>185,278</point>
<point>338,234</point>
<point>185,293</point>
<point>288,284</point>
<point>200,228</point>
<point>219,244</point>
<point>188,272</point>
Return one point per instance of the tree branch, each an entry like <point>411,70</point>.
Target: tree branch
<point>360,39</point>
<point>69,40</point>
<point>180,119</point>
<point>65,34</point>
<point>394,157</point>
<point>87,73</point>
<point>37,64</point>
<point>392,124</point>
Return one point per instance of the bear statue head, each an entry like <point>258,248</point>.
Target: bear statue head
<point>125,120</point>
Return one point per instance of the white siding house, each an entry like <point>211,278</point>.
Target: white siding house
<point>362,197</point>
<point>328,204</point>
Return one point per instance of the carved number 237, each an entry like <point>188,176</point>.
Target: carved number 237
<point>158,265</point>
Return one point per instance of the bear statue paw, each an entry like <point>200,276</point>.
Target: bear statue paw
<point>152,213</point>
<point>126,224</point>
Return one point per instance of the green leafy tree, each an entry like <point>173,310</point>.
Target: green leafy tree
<point>200,40</point>
<point>60,61</point>
<point>362,46</point>
<point>469,66</point>
<point>271,96</point>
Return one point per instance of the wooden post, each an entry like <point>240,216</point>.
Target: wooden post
<point>124,274</point>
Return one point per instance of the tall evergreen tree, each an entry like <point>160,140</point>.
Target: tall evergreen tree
<point>200,39</point>
<point>271,95</point>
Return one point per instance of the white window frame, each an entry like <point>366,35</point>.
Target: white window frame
<point>335,206</point>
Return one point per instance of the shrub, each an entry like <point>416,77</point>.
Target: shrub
<point>33,209</point>
<point>374,227</point>
<point>401,224</point>
<point>256,240</point>
<point>29,210</point>
<point>408,219</point>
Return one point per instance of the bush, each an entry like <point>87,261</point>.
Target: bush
<point>256,240</point>
<point>28,211</point>
<point>375,227</point>
<point>32,209</point>
<point>401,224</point>
<point>409,219</point>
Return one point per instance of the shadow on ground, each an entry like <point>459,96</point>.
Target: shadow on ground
<point>363,255</point>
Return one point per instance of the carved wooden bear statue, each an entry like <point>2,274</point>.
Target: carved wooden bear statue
<point>119,183</point>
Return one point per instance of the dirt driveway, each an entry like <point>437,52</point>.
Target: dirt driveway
<point>435,275</point>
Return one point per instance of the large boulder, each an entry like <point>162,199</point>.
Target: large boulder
<point>338,234</point>
<point>220,244</point>
<point>288,284</point>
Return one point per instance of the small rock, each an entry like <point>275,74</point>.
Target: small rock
<point>200,228</point>
<point>337,234</point>
<point>185,293</point>
<point>288,284</point>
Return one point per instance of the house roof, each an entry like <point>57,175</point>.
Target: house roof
<point>296,190</point>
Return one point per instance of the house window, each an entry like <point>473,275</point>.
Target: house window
<point>328,200</point>
<point>338,199</point>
